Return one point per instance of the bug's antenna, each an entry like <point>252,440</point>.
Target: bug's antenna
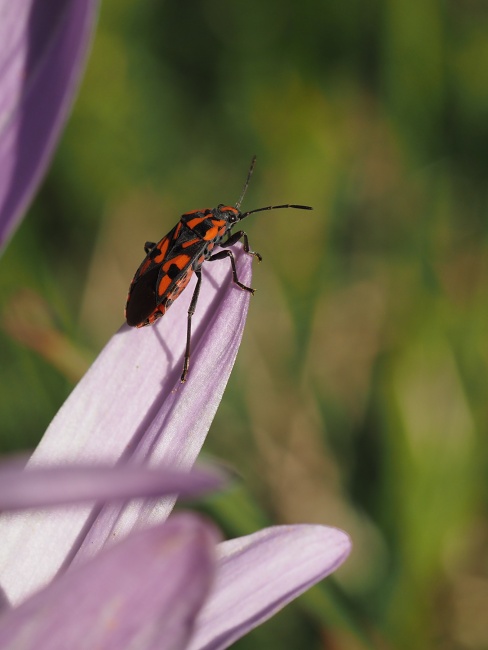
<point>275,207</point>
<point>246,184</point>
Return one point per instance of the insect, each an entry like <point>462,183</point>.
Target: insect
<point>170,263</point>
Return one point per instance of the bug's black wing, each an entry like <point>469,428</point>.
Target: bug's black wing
<point>162,276</point>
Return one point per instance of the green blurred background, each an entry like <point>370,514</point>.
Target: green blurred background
<point>368,335</point>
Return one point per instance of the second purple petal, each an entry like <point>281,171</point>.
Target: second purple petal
<point>259,574</point>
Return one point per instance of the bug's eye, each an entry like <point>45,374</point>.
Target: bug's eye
<point>234,215</point>
<point>230,214</point>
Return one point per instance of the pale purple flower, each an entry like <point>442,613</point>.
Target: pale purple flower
<point>119,575</point>
<point>131,405</point>
<point>43,46</point>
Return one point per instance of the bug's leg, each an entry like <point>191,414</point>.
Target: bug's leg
<point>148,246</point>
<point>191,311</point>
<point>240,234</point>
<point>220,256</point>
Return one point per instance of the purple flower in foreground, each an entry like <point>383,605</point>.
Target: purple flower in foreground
<point>132,404</point>
<point>42,50</point>
<point>168,586</point>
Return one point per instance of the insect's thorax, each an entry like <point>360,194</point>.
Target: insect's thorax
<point>209,226</point>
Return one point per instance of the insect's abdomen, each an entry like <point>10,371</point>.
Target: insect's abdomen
<point>141,300</point>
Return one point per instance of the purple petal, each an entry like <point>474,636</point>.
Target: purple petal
<point>142,593</point>
<point>43,47</point>
<point>259,574</point>
<point>131,400</point>
<point>41,487</point>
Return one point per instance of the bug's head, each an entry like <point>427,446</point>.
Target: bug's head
<point>230,214</point>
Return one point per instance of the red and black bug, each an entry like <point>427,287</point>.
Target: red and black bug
<point>169,264</point>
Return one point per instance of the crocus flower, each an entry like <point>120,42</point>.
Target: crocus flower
<point>131,404</point>
<point>119,575</point>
